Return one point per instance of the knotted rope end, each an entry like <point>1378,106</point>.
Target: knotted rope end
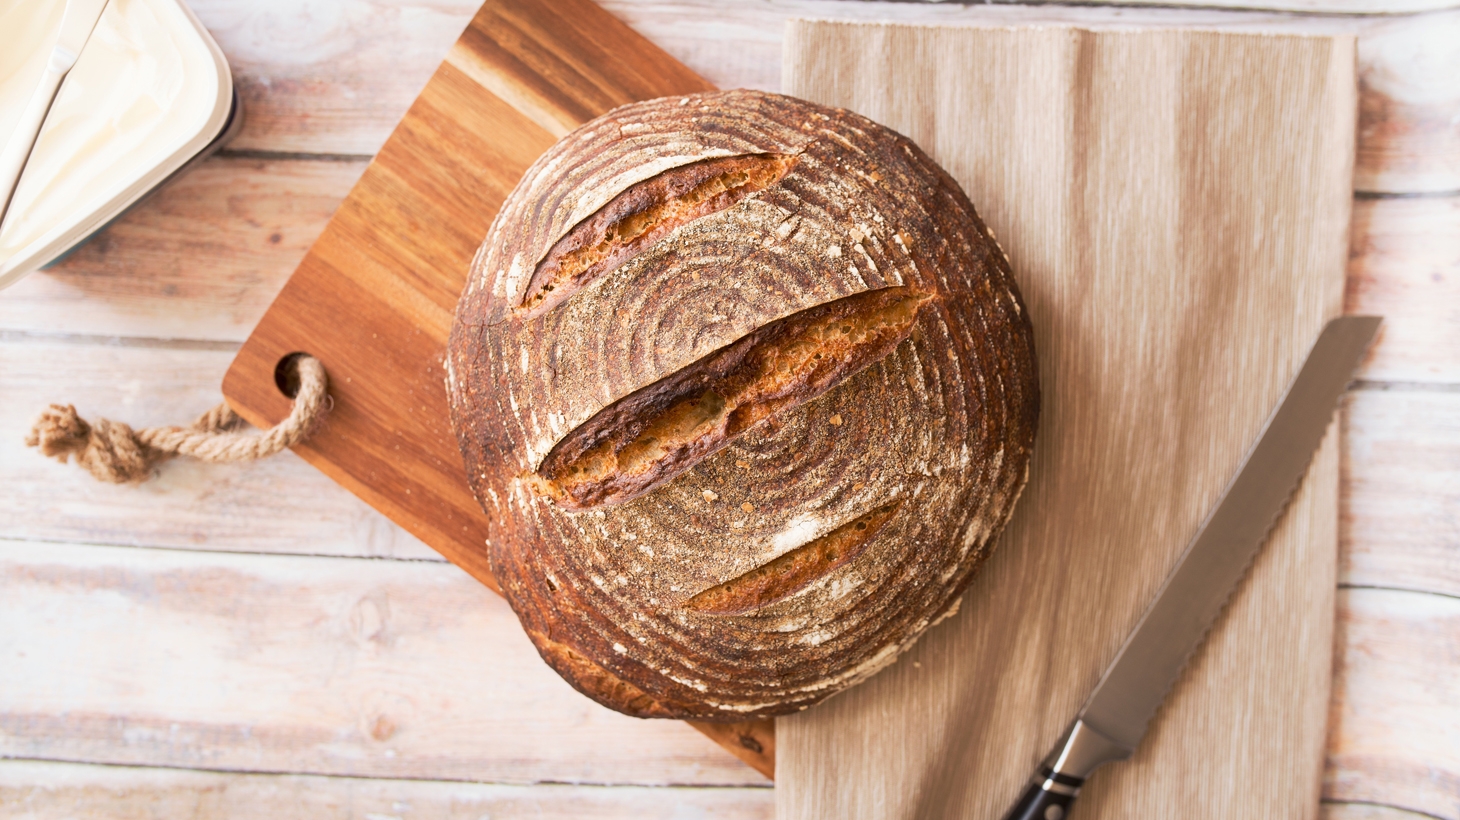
<point>115,453</point>
<point>109,450</point>
<point>59,433</point>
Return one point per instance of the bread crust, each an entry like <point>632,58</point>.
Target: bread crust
<point>718,569</point>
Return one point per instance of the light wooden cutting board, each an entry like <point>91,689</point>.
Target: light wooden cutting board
<point>1175,205</point>
<point>375,295</point>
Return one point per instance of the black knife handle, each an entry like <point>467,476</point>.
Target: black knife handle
<point>1053,790</point>
<point>1049,797</point>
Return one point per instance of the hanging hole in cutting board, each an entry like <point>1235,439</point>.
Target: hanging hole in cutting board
<point>286,374</point>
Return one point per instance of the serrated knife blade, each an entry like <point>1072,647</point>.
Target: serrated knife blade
<point>1113,720</point>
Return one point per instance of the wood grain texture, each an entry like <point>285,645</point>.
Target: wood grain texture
<point>299,664</point>
<point>59,791</point>
<point>560,65</point>
<point>1409,105</point>
<point>329,77</point>
<point>1404,264</point>
<point>1167,332</point>
<point>314,77</point>
<point>200,259</point>
<point>1394,724</point>
<point>1401,491</point>
<point>280,505</point>
<point>1413,643</point>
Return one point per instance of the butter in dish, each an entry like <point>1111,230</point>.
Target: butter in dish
<point>150,94</point>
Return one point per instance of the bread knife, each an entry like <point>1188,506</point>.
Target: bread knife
<point>77,23</point>
<point>1114,718</point>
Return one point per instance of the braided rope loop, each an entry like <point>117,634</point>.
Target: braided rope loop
<point>115,453</point>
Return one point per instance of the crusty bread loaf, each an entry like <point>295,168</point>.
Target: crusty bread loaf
<point>747,390</point>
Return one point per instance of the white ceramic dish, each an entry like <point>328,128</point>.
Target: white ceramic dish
<point>150,93</point>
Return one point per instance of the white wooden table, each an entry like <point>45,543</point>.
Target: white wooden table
<point>253,641</point>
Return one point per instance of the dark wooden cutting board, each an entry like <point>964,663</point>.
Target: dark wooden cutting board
<point>374,297</point>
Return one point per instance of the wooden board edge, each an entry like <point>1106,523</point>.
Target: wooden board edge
<point>753,741</point>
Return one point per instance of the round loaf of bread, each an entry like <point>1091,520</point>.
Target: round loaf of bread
<point>747,391</point>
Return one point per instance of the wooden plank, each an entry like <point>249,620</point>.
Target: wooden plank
<point>1400,523</point>
<point>307,665</point>
<point>1404,264</point>
<point>1394,723</point>
<point>59,791</point>
<point>329,78</point>
<point>201,259</point>
<point>1394,648</point>
<point>1409,105</point>
<point>279,505</point>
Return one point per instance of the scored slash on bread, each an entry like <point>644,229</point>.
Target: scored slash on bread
<point>747,390</point>
<point>794,570</point>
<point>659,431</point>
<point>639,216</point>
